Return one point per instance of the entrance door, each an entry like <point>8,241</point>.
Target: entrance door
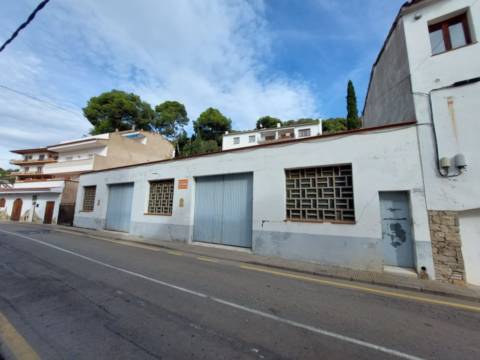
<point>17,210</point>
<point>47,219</point>
<point>119,207</point>
<point>397,229</point>
<point>223,210</point>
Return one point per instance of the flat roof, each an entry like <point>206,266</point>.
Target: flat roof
<point>255,147</point>
<point>30,151</point>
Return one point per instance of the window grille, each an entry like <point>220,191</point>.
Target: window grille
<point>323,194</point>
<point>160,201</point>
<point>89,198</point>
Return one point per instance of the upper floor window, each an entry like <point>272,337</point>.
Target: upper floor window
<point>304,132</point>
<point>41,157</point>
<point>450,34</point>
<point>251,139</point>
<point>236,140</point>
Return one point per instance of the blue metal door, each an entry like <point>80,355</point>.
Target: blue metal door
<point>223,210</point>
<point>119,207</point>
<point>397,229</point>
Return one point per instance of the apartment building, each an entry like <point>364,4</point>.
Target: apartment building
<point>46,184</point>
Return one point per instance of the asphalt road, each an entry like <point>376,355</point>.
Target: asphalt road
<point>75,297</point>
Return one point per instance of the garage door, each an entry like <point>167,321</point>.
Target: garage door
<point>223,210</point>
<point>119,207</point>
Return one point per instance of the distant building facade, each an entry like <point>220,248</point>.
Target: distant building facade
<point>240,139</point>
<point>46,184</point>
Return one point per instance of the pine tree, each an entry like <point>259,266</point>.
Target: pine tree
<point>353,122</point>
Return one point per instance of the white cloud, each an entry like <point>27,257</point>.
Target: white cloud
<point>203,53</point>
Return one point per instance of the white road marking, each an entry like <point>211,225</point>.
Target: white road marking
<point>228,303</point>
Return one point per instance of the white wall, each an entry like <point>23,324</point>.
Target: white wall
<point>384,161</point>
<point>470,234</point>
<point>28,208</point>
<point>457,125</point>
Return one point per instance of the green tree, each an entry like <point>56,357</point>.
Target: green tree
<point>198,146</point>
<point>7,175</point>
<point>211,125</point>
<point>302,121</point>
<point>353,122</point>
<point>266,122</point>
<point>117,110</point>
<point>170,118</point>
<point>333,125</point>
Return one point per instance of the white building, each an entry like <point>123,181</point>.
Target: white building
<point>429,71</point>
<point>316,199</point>
<point>46,185</point>
<point>239,139</point>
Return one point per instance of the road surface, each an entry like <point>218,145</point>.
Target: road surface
<point>69,296</point>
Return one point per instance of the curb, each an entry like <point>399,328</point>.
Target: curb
<point>280,267</point>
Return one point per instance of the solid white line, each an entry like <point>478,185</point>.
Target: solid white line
<point>228,303</point>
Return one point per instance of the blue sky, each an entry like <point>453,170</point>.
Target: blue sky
<point>284,58</point>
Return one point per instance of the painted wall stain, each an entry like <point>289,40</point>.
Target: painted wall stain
<point>398,235</point>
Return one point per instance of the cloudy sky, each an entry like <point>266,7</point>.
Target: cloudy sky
<point>248,58</point>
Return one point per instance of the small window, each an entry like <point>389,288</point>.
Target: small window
<point>236,140</point>
<point>89,198</point>
<point>2,202</point>
<point>39,169</point>
<point>304,132</point>
<point>160,200</point>
<point>321,194</point>
<point>41,157</point>
<point>27,169</point>
<point>450,34</point>
<point>251,138</point>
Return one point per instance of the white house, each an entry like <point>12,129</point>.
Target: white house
<point>239,139</point>
<point>429,71</point>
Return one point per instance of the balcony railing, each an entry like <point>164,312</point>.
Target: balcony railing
<point>32,161</point>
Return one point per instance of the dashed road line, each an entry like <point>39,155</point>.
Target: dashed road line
<point>260,313</point>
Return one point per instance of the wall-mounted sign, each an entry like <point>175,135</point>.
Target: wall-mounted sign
<point>182,184</point>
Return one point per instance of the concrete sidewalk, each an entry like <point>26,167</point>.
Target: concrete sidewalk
<point>467,292</point>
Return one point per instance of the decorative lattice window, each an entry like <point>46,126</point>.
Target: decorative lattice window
<point>160,201</point>
<point>89,198</point>
<point>323,194</point>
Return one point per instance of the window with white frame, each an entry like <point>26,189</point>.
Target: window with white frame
<point>160,199</point>
<point>89,198</point>
<point>236,140</point>
<point>251,138</point>
<point>320,194</point>
<point>304,132</point>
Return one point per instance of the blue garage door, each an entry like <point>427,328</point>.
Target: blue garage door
<point>119,207</point>
<point>223,210</point>
<point>397,229</point>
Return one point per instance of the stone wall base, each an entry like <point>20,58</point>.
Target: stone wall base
<point>446,246</point>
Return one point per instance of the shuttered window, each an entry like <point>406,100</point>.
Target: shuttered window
<point>320,194</point>
<point>2,202</point>
<point>89,198</point>
<point>160,201</point>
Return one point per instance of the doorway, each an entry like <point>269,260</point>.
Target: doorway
<point>47,219</point>
<point>397,229</point>
<point>17,210</point>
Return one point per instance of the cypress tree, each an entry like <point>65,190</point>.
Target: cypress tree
<point>353,122</point>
